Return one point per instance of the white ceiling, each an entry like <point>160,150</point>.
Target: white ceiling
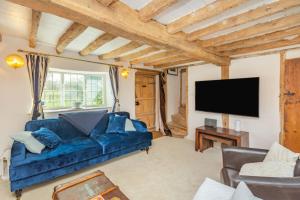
<point>15,20</point>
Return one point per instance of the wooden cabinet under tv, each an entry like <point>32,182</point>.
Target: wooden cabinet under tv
<point>206,136</point>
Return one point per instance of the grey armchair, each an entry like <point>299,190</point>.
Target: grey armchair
<point>267,188</point>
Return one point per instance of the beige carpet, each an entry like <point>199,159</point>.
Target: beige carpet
<point>172,170</point>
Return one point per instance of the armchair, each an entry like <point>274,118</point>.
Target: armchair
<point>267,188</point>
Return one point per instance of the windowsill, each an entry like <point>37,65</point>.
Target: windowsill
<point>75,109</point>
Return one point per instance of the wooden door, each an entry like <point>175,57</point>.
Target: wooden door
<point>291,105</point>
<point>145,99</point>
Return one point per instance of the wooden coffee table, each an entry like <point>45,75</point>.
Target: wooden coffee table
<point>95,186</point>
<point>206,136</point>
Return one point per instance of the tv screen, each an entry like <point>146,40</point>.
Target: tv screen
<point>232,96</point>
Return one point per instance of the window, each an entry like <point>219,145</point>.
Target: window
<point>65,89</point>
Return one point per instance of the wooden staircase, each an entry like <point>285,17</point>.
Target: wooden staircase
<point>178,125</point>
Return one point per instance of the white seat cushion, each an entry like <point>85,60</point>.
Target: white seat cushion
<point>212,190</point>
<point>268,169</point>
<point>279,153</point>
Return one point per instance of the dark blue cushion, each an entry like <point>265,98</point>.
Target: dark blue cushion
<point>139,126</point>
<point>100,127</point>
<point>116,124</point>
<point>47,137</point>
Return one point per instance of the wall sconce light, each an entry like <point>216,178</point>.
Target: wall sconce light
<point>15,61</point>
<point>125,72</point>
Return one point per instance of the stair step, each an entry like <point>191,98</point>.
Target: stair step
<point>178,132</point>
<point>174,125</point>
<point>179,119</point>
<point>182,111</point>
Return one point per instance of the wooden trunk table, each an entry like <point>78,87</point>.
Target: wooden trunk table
<point>205,137</point>
<point>95,186</point>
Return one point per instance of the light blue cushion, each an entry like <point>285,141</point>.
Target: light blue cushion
<point>129,126</point>
<point>31,144</point>
<point>47,137</point>
<point>116,124</point>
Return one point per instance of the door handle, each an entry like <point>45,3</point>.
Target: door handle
<point>289,93</point>
<point>137,103</point>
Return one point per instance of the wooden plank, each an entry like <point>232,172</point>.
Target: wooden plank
<point>225,75</point>
<point>137,54</point>
<point>100,41</point>
<point>72,32</point>
<point>154,8</point>
<point>35,21</point>
<point>263,47</point>
<point>260,12</point>
<point>166,60</point>
<point>170,64</point>
<point>115,53</point>
<point>107,2</point>
<point>282,96</point>
<point>260,39</point>
<point>253,31</point>
<point>207,12</point>
<point>123,21</point>
<point>153,57</point>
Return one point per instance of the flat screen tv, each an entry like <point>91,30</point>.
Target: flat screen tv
<point>232,96</point>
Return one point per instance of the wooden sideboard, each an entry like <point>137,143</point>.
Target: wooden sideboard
<point>206,136</point>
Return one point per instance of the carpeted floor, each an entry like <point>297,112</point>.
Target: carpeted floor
<point>172,170</point>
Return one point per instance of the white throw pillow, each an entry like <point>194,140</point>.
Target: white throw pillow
<point>242,192</point>
<point>212,190</point>
<point>129,125</point>
<point>279,153</point>
<point>31,144</point>
<point>268,169</point>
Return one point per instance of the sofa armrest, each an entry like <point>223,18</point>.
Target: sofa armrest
<point>236,157</point>
<point>271,188</point>
<point>18,153</point>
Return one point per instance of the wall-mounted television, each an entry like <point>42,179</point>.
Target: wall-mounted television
<point>232,96</point>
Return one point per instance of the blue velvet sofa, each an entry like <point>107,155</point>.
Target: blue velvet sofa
<point>76,152</point>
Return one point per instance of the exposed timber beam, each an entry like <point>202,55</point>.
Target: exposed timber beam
<point>278,35</point>
<point>107,2</point>
<point>73,32</point>
<point>123,21</point>
<point>264,47</point>
<point>35,21</point>
<point>170,64</point>
<point>256,30</point>
<point>137,54</point>
<point>101,40</point>
<point>166,60</point>
<point>262,11</point>
<point>117,52</point>
<point>204,13</point>
<point>154,57</point>
<point>154,8</point>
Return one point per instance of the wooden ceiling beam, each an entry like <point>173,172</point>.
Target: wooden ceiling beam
<point>107,2</point>
<point>72,32</point>
<point>35,21</point>
<point>123,21</point>
<point>204,13</point>
<point>170,64</point>
<point>166,60</point>
<point>257,13</point>
<point>154,57</point>
<point>256,30</point>
<point>264,47</point>
<point>137,54</point>
<point>117,52</point>
<point>154,8</point>
<point>100,41</point>
<point>260,39</point>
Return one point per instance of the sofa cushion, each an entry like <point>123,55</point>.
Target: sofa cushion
<point>65,154</point>
<point>47,137</point>
<point>280,153</point>
<point>112,142</point>
<point>31,143</point>
<point>116,124</point>
<point>242,192</point>
<point>140,126</point>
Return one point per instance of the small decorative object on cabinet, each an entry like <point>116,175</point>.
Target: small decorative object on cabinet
<point>206,136</point>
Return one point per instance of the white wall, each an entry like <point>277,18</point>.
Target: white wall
<point>15,96</point>
<point>263,130</point>
<point>173,95</point>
